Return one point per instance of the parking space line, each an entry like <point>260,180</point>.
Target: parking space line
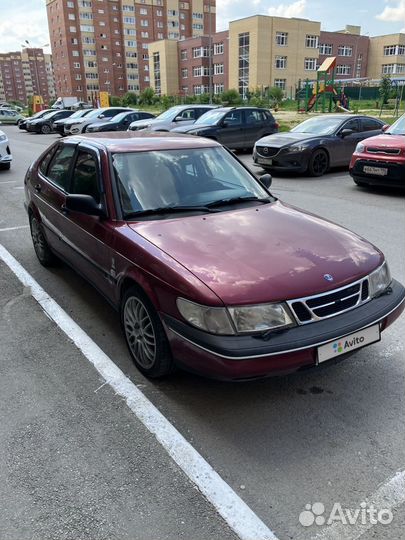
<point>237,514</point>
<point>8,182</point>
<point>14,228</point>
<point>387,497</point>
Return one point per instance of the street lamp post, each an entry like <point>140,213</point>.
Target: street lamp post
<point>210,66</point>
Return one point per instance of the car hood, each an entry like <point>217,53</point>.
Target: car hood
<point>386,141</point>
<point>192,127</point>
<point>141,124</point>
<point>261,254</point>
<point>282,139</point>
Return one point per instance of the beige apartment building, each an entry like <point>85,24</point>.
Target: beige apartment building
<point>272,51</point>
<point>386,56</point>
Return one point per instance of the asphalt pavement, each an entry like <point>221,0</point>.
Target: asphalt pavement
<point>76,463</point>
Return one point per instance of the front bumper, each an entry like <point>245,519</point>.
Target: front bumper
<point>283,161</point>
<point>5,154</point>
<point>243,357</point>
<point>395,176</point>
<point>58,128</point>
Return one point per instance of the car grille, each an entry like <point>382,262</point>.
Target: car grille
<point>387,151</point>
<point>325,305</point>
<point>267,151</point>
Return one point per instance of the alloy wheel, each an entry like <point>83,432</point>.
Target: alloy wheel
<point>139,332</point>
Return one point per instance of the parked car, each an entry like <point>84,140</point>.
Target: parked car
<point>235,127</point>
<point>120,122</point>
<point>8,116</point>
<point>59,125</point>
<point>207,269</point>
<point>380,161</point>
<point>74,127</point>
<point>316,144</point>
<point>175,116</point>
<point>44,124</point>
<point>39,114</point>
<point>5,152</point>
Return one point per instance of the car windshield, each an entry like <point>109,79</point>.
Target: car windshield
<point>120,116</point>
<point>170,113</point>
<point>398,127</point>
<point>79,114</point>
<point>210,118</point>
<point>193,177</point>
<point>319,125</point>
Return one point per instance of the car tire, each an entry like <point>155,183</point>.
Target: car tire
<point>42,250</point>
<point>19,121</point>
<point>45,129</point>
<point>145,335</point>
<point>318,163</point>
<point>5,166</point>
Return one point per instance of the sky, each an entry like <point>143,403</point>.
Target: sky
<point>26,19</point>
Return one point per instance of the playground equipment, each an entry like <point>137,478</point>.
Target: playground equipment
<point>323,91</point>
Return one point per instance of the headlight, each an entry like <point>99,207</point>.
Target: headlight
<point>379,280</point>
<point>260,318</point>
<point>214,320</point>
<point>360,148</point>
<point>245,319</point>
<point>296,148</point>
<point>3,138</point>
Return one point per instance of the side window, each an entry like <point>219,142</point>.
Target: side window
<point>369,124</point>
<point>188,114</point>
<point>253,117</point>
<point>352,124</point>
<point>58,170</point>
<point>109,114</point>
<point>233,118</point>
<point>85,177</point>
<point>43,166</point>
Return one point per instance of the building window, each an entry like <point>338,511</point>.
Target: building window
<point>282,39</point>
<point>311,42</point>
<point>75,53</point>
<point>218,88</point>
<point>72,17</point>
<point>128,8</point>
<point>72,29</point>
<point>310,64</point>
<point>156,72</point>
<point>86,28</point>
<point>145,34</point>
<point>143,11</point>
<point>343,70</point>
<point>218,69</point>
<point>345,50</point>
<point>243,65</point>
<point>144,23</point>
<point>218,48</point>
<point>394,50</point>
<point>281,62</point>
<point>280,83</point>
<point>196,52</point>
<point>197,71</point>
<point>325,48</point>
<point>128,20</point>
<point>76,65</point>
<point>394,69</point>
<point>184,73</point>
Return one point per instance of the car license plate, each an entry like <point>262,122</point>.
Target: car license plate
<point>264,161</point>
<point>349,343</point>
<point>379,171</point>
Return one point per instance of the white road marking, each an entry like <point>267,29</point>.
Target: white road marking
<point>8,182</point>
<point>14,228</point>
<point>244,522</point>
<point>388,496</point>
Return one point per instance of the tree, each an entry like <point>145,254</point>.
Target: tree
<point>276,95</point>
<point>147,97</point>
<point>115,101</point>
<point>231,97</point>
<point>385,89</point>
<point>130,99</point>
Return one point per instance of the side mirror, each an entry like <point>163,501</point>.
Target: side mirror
<point>225,124</point>
<point>84,204</point>
<point>385,127</point>
<point>266,180</point>
<point>346,132</point>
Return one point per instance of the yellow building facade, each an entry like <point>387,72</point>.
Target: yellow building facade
<point>386,56</point>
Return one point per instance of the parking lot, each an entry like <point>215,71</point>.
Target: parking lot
<point>75,462</point>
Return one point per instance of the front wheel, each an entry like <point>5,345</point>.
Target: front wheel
<point>41,247</point>
<point>145,336</point>
<point>318,163</point>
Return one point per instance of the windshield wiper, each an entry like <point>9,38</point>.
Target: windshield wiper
<point>167,210</point>
<point>231,200</point>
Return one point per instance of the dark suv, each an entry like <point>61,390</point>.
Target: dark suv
<point>235,127</point>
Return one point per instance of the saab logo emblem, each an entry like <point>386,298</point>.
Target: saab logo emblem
<point>328,277</point>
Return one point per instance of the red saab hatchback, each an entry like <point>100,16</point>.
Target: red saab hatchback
<point>207,269</point>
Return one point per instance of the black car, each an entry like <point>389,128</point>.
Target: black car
<point>36,116</point>
<point>316,144</point>
<point>234,127</point>
<point>120,122</point>
<point>44,125</point>
<point>59,125</point>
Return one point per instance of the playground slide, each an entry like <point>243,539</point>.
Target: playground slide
<point>312,101</point>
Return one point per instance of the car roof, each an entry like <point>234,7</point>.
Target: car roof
<point>141,141</point>
<point>194,105</point>
<point>343,116</point>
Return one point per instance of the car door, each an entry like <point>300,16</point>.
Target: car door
<point>345,144</point>
<point>6,117</point>
<point>184,118</point>
<point>370,127</point>
<point>89,237</point>
<point>232,130</point>
<point>254,124</point>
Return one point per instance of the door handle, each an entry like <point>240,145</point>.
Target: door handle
<point>64,209</point>
<point>38,187</point>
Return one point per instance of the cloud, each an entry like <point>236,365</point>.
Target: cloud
<point>297,9</point>
<point>394,13</point>
<point>25,19</point>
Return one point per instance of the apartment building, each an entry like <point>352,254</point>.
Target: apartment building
<point>350,48</point>
<point>183,68</point>
<point>387,56</point>
<point>272,51</point>
<point>26,73</point>
<point>102,45</point>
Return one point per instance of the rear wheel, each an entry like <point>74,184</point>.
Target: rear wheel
<point>41,247</point>
<point>45,129</point>
<point>144,334</point>
<point>318,163</point>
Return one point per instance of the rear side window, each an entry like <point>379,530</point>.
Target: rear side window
<point>254,117</point>
<point>369,124</point>
<point>85,177</point>
<point>351,124</point>
<point>43,166</point>
<point>58,170</point>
